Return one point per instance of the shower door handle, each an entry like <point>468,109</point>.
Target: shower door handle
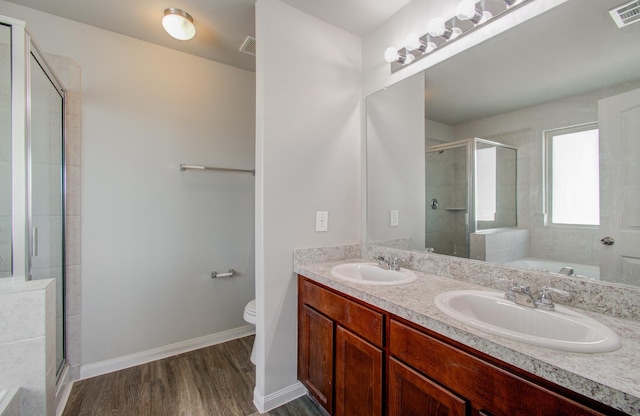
<point>34,242</point>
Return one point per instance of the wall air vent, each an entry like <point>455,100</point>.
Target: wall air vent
<point>249,46</point>
<point>626,13</point>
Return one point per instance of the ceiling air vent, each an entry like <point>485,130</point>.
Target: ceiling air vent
<point>249,46</point>
<point>626,13</point>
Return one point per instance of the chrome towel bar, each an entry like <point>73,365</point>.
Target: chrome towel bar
<point>230,273</point>
<point>184,166</point>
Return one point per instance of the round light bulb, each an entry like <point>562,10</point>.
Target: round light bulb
<point>408,58</point>
<point>391,54</point>
<point>178,24</point>
<point>466,10</point>
<point>486,15</point>
<point>412,42</point>
<point>437,27</point>
<point>455,32</point>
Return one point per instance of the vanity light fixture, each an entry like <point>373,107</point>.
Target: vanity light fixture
<point>470,15</point>
<point>178,24</point>
<point>467,10</point>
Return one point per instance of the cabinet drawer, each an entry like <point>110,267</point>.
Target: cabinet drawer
<point>358,318</point>
<point>490,389</point>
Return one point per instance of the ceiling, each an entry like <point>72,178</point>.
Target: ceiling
<point>222,25</point>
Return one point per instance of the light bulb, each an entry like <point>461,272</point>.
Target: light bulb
<point>413,42</point>
<point>455,32</point>
<point>466,10</point>
<point>391,55</point>
<point>408,58</point>
<point>486,15</point>
<point>437,27</point>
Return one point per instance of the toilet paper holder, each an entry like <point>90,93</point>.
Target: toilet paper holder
<point>230,273</point>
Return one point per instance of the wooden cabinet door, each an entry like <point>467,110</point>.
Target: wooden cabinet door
<point>315,355</point>
<point>412,394</point>
<point>358,377</point>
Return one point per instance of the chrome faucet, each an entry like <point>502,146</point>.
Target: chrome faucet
<point>567,271</point>
<point>521,295</point>
<point>393,264</point>
<point>545,302</point>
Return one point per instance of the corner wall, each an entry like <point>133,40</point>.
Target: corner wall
<point>151,235</point>
<point>307,160</point>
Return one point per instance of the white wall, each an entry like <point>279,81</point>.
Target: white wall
<point>308,160</point>
<point>151,234</point>
<point>395,131</point>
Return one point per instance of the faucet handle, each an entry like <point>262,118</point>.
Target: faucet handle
<point>394,264</point>
<point>545,302</point>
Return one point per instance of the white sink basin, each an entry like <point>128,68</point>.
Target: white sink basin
<point>372,274</point>
<point>562,329</point>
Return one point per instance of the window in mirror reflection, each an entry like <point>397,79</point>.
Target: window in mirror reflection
<point>573,175</point>
<point>486,184</point>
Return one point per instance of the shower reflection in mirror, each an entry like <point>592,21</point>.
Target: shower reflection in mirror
<point>475,182</point>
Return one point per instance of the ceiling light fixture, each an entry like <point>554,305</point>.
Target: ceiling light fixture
<point>178,24</point>
<point>470,15</point>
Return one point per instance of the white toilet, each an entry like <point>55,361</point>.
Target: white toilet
<point>250,317</point>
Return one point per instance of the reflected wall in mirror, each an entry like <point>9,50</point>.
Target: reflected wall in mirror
<point>566,68</point>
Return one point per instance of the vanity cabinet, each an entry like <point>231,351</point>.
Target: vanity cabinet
<point>356,360</point>
<point>457,383</point>
<point>340,351</point>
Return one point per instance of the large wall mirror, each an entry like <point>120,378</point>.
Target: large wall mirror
<point>523,150</point>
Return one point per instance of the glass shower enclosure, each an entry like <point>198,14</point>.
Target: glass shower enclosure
<point>32,168</point>
<point>470,186</point>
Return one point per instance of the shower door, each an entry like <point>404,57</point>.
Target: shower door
<point>6,178</point>
<point>447,195</point>
<point>46,178</point>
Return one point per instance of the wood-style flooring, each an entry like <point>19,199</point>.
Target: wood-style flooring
<point>213,381</point>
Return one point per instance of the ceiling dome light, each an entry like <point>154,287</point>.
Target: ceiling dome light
<point>178,24</point>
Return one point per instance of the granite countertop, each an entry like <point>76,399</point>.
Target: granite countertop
<point>611,378</point>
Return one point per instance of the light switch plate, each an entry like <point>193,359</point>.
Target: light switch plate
<point>393,218</point>
<point>322,221</point>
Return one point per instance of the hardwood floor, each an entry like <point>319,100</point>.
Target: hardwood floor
<point>216,380</point>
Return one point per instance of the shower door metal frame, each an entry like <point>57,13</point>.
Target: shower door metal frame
<point>471,147</point>
<point>23,46</point>
<point>470,161</point>
<point>35,51</point>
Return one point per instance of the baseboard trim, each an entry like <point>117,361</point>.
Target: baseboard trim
<point>131,360</point>
<point>271,401</point>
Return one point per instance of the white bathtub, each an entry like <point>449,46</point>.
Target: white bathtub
<point>554,266</point>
